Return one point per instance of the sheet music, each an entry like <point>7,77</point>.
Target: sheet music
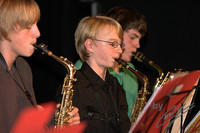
<point>165,104</point>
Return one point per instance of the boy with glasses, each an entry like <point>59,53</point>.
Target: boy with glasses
<point>134,27</point>
<point>97,94</point>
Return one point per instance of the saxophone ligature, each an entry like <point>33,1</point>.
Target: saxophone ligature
<point>62,114</point>
<point>142,93</point>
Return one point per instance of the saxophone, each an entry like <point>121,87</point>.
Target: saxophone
<point>162,78</point>
<point>140,57</point>
<point>142,93</point>
<point>62,114</point>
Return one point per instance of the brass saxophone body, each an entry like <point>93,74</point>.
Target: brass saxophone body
<point>62,114</point>
<point>142,93</point>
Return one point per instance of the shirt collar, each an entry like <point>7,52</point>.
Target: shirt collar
<point>3,62</point>
<point>93,77</point>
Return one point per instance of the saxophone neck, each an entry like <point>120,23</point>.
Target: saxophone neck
<point>139,56</point>
<point>64,61</point>
<point>142,77</point>
<point>156,67</point>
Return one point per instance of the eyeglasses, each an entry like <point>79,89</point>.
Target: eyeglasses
<point>114,44</point>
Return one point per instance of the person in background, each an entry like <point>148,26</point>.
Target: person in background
<point>98,95</point>
<point>18,33</point>
<point>134,26</point>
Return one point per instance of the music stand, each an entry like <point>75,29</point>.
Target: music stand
<point>166,105</point>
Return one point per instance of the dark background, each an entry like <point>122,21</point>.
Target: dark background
<point>172,40</point>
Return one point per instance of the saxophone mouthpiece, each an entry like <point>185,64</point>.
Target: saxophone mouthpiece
<point>42,48</point>
<point>35,46</point>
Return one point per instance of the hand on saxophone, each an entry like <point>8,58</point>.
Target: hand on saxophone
<point>74,117</point>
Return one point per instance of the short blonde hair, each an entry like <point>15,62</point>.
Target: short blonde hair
<point>88,27</point>
<point>13,13</point>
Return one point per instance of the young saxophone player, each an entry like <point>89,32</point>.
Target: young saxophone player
<point>134,26</point>
<point>18,33</point>
<point>97,94</point>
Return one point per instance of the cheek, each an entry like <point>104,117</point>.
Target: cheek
<point>104,53</point>
<point>125,39</point>
<point>99,53</point>
<point>127,47</point>
<point>19,37</point>
<point>128,42</point>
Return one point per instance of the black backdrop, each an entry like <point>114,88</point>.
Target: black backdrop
<point>172,40</point>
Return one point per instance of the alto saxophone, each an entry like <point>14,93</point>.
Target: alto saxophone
<point>139,56</point>
<point>142,93</point>
<point>162,78</point>
<point>62,114</point>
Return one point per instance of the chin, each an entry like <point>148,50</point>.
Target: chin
<point>127,59</point>
<point>28,54</point>
<point>110,65</point>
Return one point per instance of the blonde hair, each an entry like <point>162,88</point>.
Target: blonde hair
<point>13,13</point>
<point>88,27</point>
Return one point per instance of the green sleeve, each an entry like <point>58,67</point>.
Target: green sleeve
<point>78,64</point>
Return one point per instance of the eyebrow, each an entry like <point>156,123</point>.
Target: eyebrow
<point>133,34</point>
<point>115,40</point>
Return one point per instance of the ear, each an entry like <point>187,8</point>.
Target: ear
<point>89,45</point>
<point>17,27</point>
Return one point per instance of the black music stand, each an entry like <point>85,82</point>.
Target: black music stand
<point>166,105</point>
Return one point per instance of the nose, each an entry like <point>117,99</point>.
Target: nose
<point>119,49</point>
<point>36,31</point>
<point>137,44</point>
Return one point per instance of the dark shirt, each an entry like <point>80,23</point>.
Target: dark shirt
<point>12,96</point>
<point>102,104</point>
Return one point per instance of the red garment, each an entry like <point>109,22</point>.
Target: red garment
<point>35,120</point>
